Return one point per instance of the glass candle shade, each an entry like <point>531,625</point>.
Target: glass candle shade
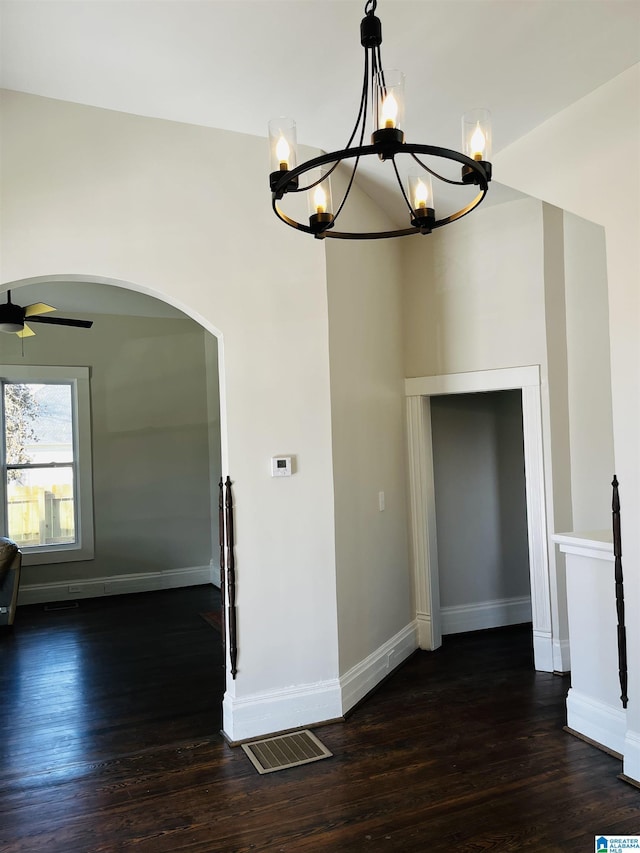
<point>421,200</point>
<point>283,154</point>
<point>282,144</point>
<point>320,205</point>
<point>389,100</point>
<point>476,135</point>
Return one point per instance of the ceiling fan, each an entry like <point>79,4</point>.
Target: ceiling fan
<point>12,318</point>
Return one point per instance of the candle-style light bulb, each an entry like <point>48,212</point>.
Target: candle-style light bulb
<point>283,153</point>
<point>320,200</point>
<point>389,111</point>
<point>420,196</point>
<point>478,143</point>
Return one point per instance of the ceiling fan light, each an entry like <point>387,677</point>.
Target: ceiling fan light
<point>11,328</point>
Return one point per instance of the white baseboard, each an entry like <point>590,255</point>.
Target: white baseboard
<point>598,721</point>
<point>113,585</point>
<point>425,630</point>
<point>261,714</point>
<point>543,659</point>
<point>214,572</point>
<point>364,676</point>
<point>631,763</point>
<point>561,656</point>
<point>280,710</point>
<point>485,614</point>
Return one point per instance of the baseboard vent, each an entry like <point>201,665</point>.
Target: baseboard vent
<point>62,605</point>
<point>284,751</point>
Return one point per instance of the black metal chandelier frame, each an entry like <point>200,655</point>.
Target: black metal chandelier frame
<point>386,143</point>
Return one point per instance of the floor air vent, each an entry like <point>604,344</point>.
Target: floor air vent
<point>279,753</point>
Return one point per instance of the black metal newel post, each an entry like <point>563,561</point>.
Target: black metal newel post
<point>231,580</point>
<point>622,631</point>
<point>223,574</point>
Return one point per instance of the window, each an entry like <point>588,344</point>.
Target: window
<point>46,484</point>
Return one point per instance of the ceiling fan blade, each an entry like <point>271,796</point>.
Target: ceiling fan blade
<point>37,308</point>
<point>63,321</point>
<point>26,332</point>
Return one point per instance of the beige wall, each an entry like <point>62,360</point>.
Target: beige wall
<point>367,412</point>
<point>589,372</point>
<point>156,206</point>
<point>498,290</point>
<point>473,293</point>
<point>94,193</point>
<point>482,295</point>
<point>576,155</point>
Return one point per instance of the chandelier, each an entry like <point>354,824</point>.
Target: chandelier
<point>383,97</point>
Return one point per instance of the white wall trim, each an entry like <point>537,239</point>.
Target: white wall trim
<point>503,379</point>
<point>561,654</point>
<point>631,764</point>
<point>596,546</point>
<point>422,498</point>
<point>113,585</point>
<point>536,509</point>
<point>486,614</point>
<point>601,722</point>
<point>260,714</point>
<point>364,676</point>
<point>425,627</point>
<point>543,652</point>
<point>423,547</point>
<point>214,573</point>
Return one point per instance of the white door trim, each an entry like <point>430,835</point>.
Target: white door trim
<point>424,549</point>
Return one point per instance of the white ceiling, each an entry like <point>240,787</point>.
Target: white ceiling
<point>234,64</point>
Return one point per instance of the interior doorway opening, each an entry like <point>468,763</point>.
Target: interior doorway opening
<point>422,508</point>
<point>481,511</point>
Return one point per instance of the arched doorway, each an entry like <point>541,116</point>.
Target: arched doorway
<point>156,445</point>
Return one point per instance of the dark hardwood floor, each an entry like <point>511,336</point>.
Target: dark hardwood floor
<point>109,741</point>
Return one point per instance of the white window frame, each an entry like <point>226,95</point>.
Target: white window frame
<point>78,378</point>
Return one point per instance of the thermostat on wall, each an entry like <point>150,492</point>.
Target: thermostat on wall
<point>281,466</point>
